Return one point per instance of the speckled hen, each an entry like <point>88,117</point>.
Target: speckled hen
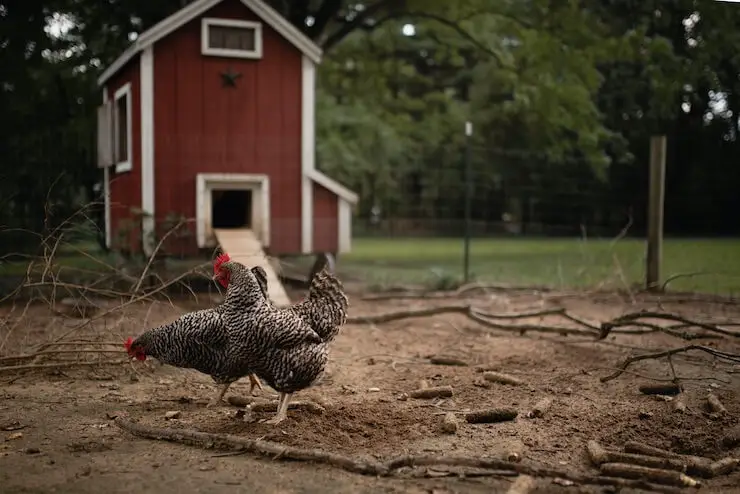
<point>289,353</point>
<point>325,306</point>
<point>211,341</point>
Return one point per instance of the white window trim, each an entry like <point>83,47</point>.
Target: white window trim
<point>125,90</point>
<point>207,22</point>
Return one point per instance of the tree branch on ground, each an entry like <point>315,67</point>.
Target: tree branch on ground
<point>365,466</point>
<point>729,357</point>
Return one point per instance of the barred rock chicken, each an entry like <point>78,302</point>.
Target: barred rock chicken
<point>208,340</point>
<point>325,307</point>
<point>287,351</point>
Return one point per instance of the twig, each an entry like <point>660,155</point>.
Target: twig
<point>442,360</point>
<point>428,393</point>
<point>660,389</point>
<point>633,317</point>
<point>491,416</point>
<point>695,465</point>
<point>60,365</point>
<point>497,377</point>
<point>719,354</point>
<point>599,455</point>
<point>656,475</point>
<point>153,255</point>
<point>363,466</point>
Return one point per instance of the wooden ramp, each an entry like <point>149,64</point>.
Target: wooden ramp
<point>242,246</point>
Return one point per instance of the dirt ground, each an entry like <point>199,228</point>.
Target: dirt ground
<point>56,434</point>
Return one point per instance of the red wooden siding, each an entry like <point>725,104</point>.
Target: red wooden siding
<point>326,219</point>
<point>125,188</point>
<point>203,127</point>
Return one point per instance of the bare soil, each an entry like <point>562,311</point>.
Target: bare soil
<point>56,434</point>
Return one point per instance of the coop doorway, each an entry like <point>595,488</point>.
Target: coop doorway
<point>231,201</point>
<point>231,208</point>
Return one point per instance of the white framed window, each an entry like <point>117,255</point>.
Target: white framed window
<point>231,38</point>
<point>122,128</point>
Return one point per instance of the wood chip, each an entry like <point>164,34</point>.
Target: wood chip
<point>497,377</point>
<point>449,423</point>
<point>491,416</point>
<point>660,389</point>
<point>429,393</point>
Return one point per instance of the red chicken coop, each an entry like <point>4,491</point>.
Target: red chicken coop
<point>210,115</point>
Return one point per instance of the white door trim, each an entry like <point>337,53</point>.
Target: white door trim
<point>205,183</point>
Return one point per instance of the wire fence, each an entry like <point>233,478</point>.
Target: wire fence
<point>532,222</point>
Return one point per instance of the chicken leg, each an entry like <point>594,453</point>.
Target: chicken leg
<point>218,398</point>
<point>254,383</point>
<point>282,410</point>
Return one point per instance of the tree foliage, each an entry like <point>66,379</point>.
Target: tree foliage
<point>563,95</point>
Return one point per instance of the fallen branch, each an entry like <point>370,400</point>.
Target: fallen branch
<point>634,317</point>
<point>409,294</point>
<point>59,365</point>
<point>599,455</point>
<point>667,353</point>
<point>365,466</point>
<point>695,465</point>
<point>655,475</point>
<point>489,319</point>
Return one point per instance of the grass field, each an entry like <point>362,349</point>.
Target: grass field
<point>714,264</point>
<point>547,261</point>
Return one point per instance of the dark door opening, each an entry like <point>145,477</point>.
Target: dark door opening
<point>231,208</point>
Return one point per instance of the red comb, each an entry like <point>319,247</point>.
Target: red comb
<point>128,343</point>
<point>221,259</point>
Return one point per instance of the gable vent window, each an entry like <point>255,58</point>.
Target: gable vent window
<point>231,38</point>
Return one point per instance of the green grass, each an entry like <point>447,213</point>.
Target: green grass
<point>562,263</point>
<point>554,262</point>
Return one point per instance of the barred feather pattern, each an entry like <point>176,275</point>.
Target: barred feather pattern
<point>284,350</point>
<point>198,340</point>
<point>210,340</point>
<point>325,307</point>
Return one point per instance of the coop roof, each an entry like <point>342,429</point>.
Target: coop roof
<point>195,9</point>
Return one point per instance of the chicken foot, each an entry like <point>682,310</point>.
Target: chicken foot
<point>282,409</point>
<point>218,398</point>
<point>254,383</point>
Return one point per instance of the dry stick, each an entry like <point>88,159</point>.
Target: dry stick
<point>660,389</point>
<point>634,316</point>
<point>497,377</point>
<point>452,361</point>
<point>723,355</point>
<point>60,365</point>
<point>143,296</point>
<point>695,465</point>
<point>363,466</point>
<point>435,392</point>
<point>656,475</point>
<point>491,416</point>
<point>53,352</point>
<point>599,455</point>
<point>154,255</point>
